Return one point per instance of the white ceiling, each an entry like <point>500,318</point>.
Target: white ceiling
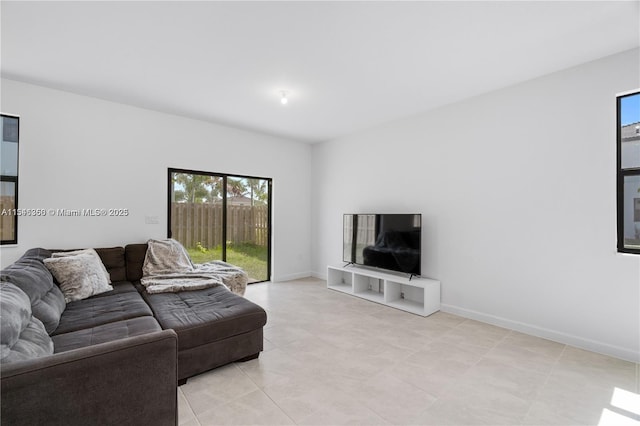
<point>346,65</point>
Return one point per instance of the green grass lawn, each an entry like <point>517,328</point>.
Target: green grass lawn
<point>250,257</point>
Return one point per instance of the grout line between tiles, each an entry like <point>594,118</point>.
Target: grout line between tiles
<point>545,381</point>
<point>267,395</point>
<point>190,408</point>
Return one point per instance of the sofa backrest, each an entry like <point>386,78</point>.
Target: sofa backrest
<point>134,255</point>
<point>122,263</point>
<point>114,260</point>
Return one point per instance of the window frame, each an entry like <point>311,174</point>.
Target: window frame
<point>15,181</point>
<point>621,174</point>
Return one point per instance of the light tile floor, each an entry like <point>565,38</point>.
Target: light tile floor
<point>333,359</point>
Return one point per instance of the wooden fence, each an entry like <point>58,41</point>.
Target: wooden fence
<point>199,222</point>
<point>6,221</point>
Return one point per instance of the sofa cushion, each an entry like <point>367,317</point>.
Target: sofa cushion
<point>96,311</point>
<point>79,276</point>
<point>22,336</point>
<point>105,333</point>
<point>33,342</point>
<point>134,255</point>
<point>203,316</point>
<point>15,312</point>
<point>31,276</point>
<point>119,287</point>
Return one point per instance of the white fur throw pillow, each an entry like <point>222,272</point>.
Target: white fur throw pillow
<point>90,252</point>
<point>79,276</point>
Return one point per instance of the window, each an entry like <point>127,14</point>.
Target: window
<point>9,180</point>
<point>217,216</point>
<point>628,172</point>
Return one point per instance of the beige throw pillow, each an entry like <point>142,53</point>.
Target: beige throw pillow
<point>90,252</point>
<point>80,276</point>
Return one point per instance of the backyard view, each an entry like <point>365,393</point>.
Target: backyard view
<point>250,257</point>
<point>198,217</point>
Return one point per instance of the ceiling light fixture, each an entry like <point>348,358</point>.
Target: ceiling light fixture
<point>283,97</point>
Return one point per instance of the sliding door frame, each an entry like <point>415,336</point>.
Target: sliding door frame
<point>225,177</point>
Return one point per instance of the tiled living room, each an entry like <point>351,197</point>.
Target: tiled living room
<point>334,359</point>
<point>220,212</point>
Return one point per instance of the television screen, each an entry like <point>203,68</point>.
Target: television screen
<point>387,241</point>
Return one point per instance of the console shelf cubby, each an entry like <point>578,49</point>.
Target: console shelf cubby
<point>419,296</point>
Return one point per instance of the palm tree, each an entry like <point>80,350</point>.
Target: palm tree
<point>236,187</point>
<point>258,188</point>
<point>195,188</point>
<point>214,184</point>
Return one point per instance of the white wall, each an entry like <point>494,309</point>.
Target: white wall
<point>79,152</point>
<point>517,191</point>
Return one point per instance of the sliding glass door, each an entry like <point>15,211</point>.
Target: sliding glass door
<point>222,217</point>
<point>247,215</point>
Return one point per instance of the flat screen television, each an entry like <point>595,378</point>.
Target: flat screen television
<point>386,241</point>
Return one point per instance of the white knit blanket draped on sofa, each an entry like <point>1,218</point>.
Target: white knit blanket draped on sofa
<point>168,268</point>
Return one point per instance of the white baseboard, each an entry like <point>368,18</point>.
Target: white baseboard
<point>290,277</point>
<point>557,336</point>
<point>319,275</point>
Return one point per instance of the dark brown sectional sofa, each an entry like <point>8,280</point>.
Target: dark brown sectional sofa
<point>118,356</point>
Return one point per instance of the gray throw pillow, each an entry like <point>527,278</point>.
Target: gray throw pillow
<point>79,276</point>
<point>30,275</point>
<point>22,336</point>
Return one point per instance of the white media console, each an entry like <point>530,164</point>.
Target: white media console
<point>419,296</point>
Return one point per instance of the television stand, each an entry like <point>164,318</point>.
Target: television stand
<point>420,296</point>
